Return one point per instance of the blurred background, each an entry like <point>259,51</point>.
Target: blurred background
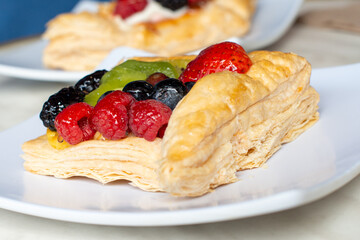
<point>22,18</point>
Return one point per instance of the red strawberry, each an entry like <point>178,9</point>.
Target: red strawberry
<point>126,8</point>
<point>217,58</point>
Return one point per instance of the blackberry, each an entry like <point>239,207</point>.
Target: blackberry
<point>57,102</point>
<point>90,82</point>
<point>172,4</point>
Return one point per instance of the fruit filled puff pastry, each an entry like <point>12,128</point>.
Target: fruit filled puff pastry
<point>80,41</point>
<point>187,127</point>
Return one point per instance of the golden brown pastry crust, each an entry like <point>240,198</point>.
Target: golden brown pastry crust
<point>237,123</point>
<point>81,41</point>
<point>227,122</point>
<point>132,158</point>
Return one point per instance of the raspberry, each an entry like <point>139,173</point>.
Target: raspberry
<point>110,115</point>
<point>117,98</point>
<point>161,131</point>
<point>110,121</point>
<point>147,117</point>
<point>73,125</point>
<point>126,8</point>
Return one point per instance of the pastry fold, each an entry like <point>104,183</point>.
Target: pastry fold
<point>81,41</point>
<point>236,122</point>
<point>226,123</point>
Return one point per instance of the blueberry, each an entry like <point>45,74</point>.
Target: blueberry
<point>57,102</point>
<point>189,85</point>
<point>169,92</point>
<point>90,82</point>
<point>140,90</point>
<point>172,4</point>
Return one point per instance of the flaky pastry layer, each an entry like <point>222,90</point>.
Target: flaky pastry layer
<point>226,123</point>
<point>81,41</point>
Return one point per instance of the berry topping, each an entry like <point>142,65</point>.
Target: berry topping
<point>72,123</point>
<point>110,115</point>
<point>189,85</point>
<point>117,98</point>
<point>128,71</point>
<point>140,90</point>
<point>126,8</point>
<point>104,95</point>
<point>172,4</point>
<point>148,119</point>
<point>156,77</point>
<point>58,102</point>
<point>161,131</point>
<point>169,92</point>
<point>117,78</point>
<point>90,82</point>
<point>110,121</point>
<point>216,58</point>
<point>196,3</point>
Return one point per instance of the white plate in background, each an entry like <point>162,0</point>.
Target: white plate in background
<point>23,58</point>
<point>318,162</point>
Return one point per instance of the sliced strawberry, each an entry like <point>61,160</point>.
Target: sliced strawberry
<point>126,8</point>
<point>217,58</point>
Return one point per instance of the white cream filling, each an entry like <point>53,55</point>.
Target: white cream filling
<point>153,12</point>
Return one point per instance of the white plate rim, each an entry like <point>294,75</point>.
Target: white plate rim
<point>279,202</point>
<point>40,75</point>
